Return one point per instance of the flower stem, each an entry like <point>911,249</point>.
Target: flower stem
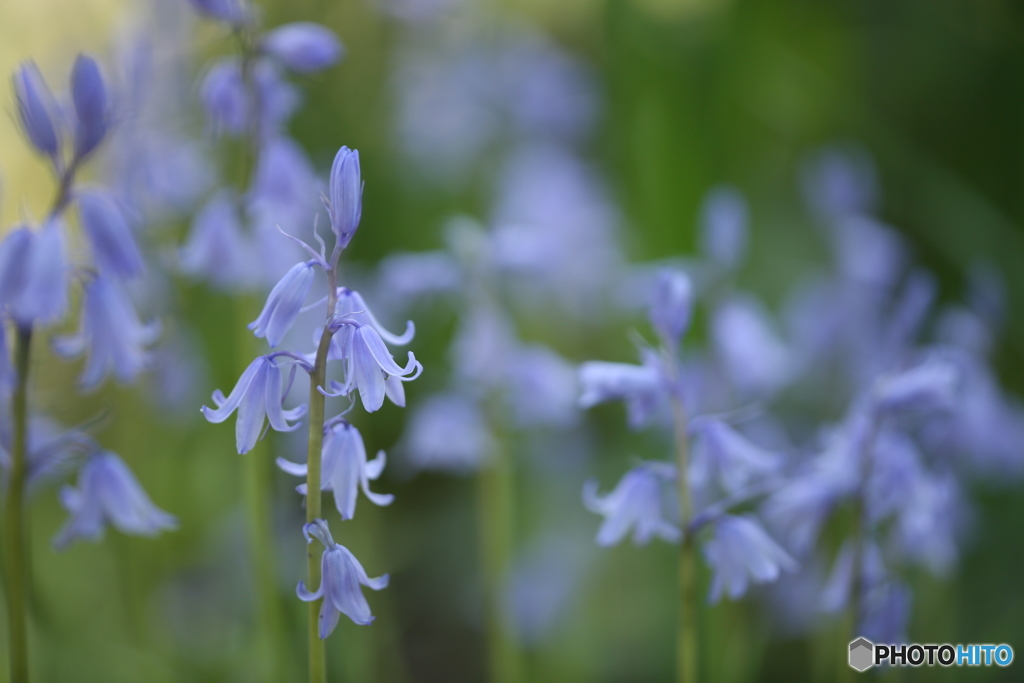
<point>687,645</point>
<point>317,378</point>
<point>495,503</point>
<point>14,550</point>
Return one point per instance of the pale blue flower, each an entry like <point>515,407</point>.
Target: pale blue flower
<point>342,575</point>
<point>642,387</point>
<point>741,552</point>
<point>928,386</point>
<point>37,110</point>
<point>542,388</point>
<point>371,369</point>
<point>448,432</point>
<point>303,46</point>
<point>216,248</point>
<point>89,94</point>
<point>111,334</point>
<point>284,304</point>
<point>755,358</point>
<point>111,239</point>
<point>108,492</point>
<point>639,503</point>
<point>224,97</point>
<point>346,195</point>
<point>42,294</point>
<point>234,12</point>
<point>722,454</point>
<point>258,396</point>
<point>671,306</point>
<point>724,218</point>
<point>344,468</point>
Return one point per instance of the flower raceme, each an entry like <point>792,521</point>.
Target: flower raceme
<point>344,468</point>
<point>258,396</point>
<point>342,576</point>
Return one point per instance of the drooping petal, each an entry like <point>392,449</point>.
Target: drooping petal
<point>252,410</point>
<point>226,406</point>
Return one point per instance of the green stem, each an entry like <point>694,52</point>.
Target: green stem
<point>687,645</point>
<point>495,503</point>
<point>14,552</point>
<point>317,378</point>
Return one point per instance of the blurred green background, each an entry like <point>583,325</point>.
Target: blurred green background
<point>695,93</point>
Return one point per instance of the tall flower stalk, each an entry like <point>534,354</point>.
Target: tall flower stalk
<point>34,278</point>
<point>336,455</point>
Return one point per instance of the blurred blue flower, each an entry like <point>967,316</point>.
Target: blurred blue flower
<point>216,248</point>
<point>741,552</point>
<point>346,195</point>
<point>756,360</point>
<point>303,46</point>
<point>37,110</point>
<point>448,432</point>
<point>724,229</point>
<point>722,454</point>
<point>36,287</point>
<point>671,306</point>
<point>257,395</point>
<point>89,94</point>
<point>110,333</point>
<point>541,388</point>
<point>344,468</point>
<point>638,503</point>
<point>224,97</point>
<point>234,12</point>
<point>284,304</point>
<point>108,492</point>
<point>643,387</point>
<point>111,239</point>
<point>342,575</point>
<point>927,386</point>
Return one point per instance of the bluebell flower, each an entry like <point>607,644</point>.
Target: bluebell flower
<point>928,386</point>
<point>284,304</point>
<point>342,575</point>
<point>41,296</point>
<point>276,98</point>
<point>303,46</point>
<point>89,95</point>
<point>839,181</point>
<point>638,503</point>
<point>111,334</point>
<point>15,255</point>
<point>346,195</point>
<point>724,226</point>
<point>284,177</point>
<point>755,359</point>
<point>542,388</point>
<point>216,247</point>
<point>482,345</point>
<point>448,432</point>
<point>642,387</point>
<point>371,369</point>
<point>740,553</point>
<point>235,12</point>
<point>344,468</point>
<point>352,305</point>
<point>108,492</point>
<point>224,97</point>
<point>723,454</point>
<point>672,306</point>
<point>835,595</point>
<point>258,395</point>
<point>111,239</point>
<point>37,110</point>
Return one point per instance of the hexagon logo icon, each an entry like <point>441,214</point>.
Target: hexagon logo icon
<point>862,654</point>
